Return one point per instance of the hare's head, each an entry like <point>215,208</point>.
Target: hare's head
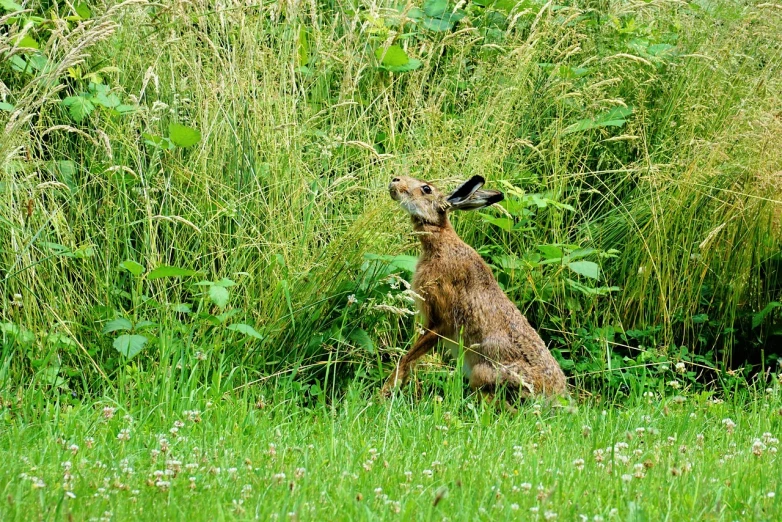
<point>428,206</point>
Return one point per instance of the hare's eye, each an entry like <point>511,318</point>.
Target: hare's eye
<point>427,189</point>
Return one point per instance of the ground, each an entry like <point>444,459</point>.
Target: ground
<point>241,457</point>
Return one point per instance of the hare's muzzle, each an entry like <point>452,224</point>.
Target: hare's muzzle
<point>394,188</point>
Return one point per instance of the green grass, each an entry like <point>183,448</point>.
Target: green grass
<point>643,137</point>
<point>243,457</point>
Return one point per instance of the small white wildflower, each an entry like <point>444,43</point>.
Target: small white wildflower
<point>578,464</point>
<point>123,435</point>
<point>108,412</point>
<point>679,367</point>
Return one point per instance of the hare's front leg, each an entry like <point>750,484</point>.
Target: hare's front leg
<point>399,376</point>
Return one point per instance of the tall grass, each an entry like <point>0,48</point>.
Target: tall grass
<point>284,194</point>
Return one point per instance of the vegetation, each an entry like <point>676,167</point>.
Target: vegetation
<point>193,209</point>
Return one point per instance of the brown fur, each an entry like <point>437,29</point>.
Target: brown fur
<point>460,296</point>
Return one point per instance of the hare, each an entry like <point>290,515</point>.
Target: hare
<point>459,296</point>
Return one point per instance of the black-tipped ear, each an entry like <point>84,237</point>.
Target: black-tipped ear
<point>479,199</point>
<point>465,190</point>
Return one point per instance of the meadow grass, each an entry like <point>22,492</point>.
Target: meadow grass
<point>246,457</point>
<point>241,383</point>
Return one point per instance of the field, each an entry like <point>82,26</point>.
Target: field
<point>203,281</point>
<point>244,457</point>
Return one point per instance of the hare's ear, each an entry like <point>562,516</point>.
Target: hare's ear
<point>468,197</point>
<point>465,190</point>
<point>479,199</point>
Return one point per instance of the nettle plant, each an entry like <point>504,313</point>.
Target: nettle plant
<point>575,267</point>
<point>207,312</point>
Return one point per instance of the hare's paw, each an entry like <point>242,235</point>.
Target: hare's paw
<point>396,379</point>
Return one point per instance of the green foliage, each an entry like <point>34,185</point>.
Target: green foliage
<point>225,195</point>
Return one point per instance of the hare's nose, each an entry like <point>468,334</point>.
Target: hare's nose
<point>394,180</point>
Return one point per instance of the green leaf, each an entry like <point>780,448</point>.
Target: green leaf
<point>303,49</point>
<point>550,251</point>
<point>83,10</point>
<point>130,345</point>
<point>169,271</point>
<point>10,6</point>
<point>361,338</point>
<point>439,25</point>
<point>758,318</point>
<point>79,107</point>
<point>616,117</point>
<point>394,56</point>
<point>7,107</point>
<point>411,65</point>
<point>435,8</point>
<point>107,100</point>
<point>120,323</point>
<point>504,223</point>
<point>131,266</point>
<point>126,109</point>
<point>26,42</point>
<point>585,268</point>
<point>183,136</point>
<point>406,263</point>
<point>219,295</point>
<point>225,283</point>
<point>246,329</point>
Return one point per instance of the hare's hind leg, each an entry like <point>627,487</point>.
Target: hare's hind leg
<point>402,371</point>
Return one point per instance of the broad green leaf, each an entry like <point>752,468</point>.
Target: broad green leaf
<point>394,56</point>
<point>79,107</point>
<point>7,107</point>
<point>133,267</point>
<point>183,136</point>
<point>616,117</point>
<point>26,42</point>
<point>361,338</point>
<point>406,263</point>
<point>585,268</point>
<point>126,109</point>
<point>504,223</point>
<point>439,25</point>
<point>107,100</point>
<point>10,6</point>
<point>225,283</point>
<point>83,10</point>
<point>435,8</point>
<point>169,271</point>
<point>130,345</point>
<point>182,308</point>
<point>246,329</point>
<point>580,253</point>
<point>219,295</point>
<point>758,318</point>
<point>550,251</point>
<point>411,65</point>
<point>120,323</point>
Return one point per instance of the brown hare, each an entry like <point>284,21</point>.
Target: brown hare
<point>459,296</point>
